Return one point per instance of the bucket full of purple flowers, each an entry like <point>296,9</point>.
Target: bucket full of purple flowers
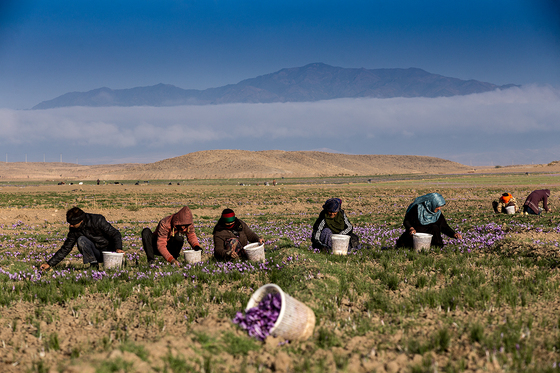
<point>270,311</point>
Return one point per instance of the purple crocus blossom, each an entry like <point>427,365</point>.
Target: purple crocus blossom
<point>258,321</point>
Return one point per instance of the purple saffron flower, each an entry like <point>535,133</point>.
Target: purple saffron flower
<point>258,321</point>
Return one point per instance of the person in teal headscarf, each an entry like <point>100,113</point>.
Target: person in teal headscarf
<point>424,216</point>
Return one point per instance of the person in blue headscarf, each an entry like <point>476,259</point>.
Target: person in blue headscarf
<point>332,220</point>
<point>424,216</point>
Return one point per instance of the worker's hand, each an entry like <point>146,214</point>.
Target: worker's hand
<point>412,231</point>
<point>197,248</point>
<point>234,255</point>
<point>261,240</point>
<point>176,263</point>
<point>458,236</point>
<point>120,251</point>
<point>44,267</point>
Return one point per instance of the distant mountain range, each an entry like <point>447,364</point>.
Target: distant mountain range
<point>313,82</point>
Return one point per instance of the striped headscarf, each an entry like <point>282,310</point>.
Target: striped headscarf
<point>228,216</point>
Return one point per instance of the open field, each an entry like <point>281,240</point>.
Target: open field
<point>489,302</point>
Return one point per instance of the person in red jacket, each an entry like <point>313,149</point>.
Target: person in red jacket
<point>168,238</point>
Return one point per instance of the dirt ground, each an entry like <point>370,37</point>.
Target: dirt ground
<point>88,325</point>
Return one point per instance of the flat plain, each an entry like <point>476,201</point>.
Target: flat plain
<point>489,302</point>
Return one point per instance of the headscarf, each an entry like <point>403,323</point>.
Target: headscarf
<point>335,224</point>
<point>426,206</point>
<point>332,205</point>
<point>228,216</point>
<point>506,197</point>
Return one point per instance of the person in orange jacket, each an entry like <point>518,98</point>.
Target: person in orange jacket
<point>505,200</point>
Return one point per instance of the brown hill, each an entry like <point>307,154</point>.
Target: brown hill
<point>212,164</point>
<point>276,163</point>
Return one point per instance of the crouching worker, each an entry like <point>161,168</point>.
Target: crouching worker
<point>168,238</point>
<point>231,235</point>
<point>332,220</point>
<point>92,234</point>
<point>506,200</point>
<point>531,205</point>
<point>424,216</point>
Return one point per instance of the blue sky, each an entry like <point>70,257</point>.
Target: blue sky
<point>48,48</point>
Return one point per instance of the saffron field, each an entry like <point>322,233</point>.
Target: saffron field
<point>489,302</point>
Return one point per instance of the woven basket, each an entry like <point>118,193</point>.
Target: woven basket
<point>340,243</point>
<point>421,241</point>
<point>192,256</point>
<point>295,322</point>
<point>255,252</point>
<point>112,260</point>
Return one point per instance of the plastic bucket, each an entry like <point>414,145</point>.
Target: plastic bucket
<point>192,256</point>
<point>255,252</point>
<point>421,241</point>
<point>112,260</point>
<point>295,322</point>
<point>340,243</point>
<point>510,210</point>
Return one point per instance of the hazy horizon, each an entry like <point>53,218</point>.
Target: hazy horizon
<point>49,48</point>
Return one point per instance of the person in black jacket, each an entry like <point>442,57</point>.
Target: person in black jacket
<point>92,233</point>
<point>424,216</point>
<point>332,220</point>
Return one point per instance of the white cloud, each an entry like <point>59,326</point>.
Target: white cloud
<point>523,112</point>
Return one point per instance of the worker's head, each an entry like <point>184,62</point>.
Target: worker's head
<point>332,207</point>
<point>75,216</point>
<point>228,217</point>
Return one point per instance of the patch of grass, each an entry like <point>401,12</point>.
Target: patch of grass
<point>239,345</point>
<point>326,339</point>
<point>114,366</point>
<point>136,349</point>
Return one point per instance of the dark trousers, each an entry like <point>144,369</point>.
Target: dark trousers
<point>530,211</point>
<point>91,254</point>
<point>149,244</point>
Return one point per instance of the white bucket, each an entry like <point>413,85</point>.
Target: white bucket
<point>421,241</point>
<point>340,243</point>
<point>192,256</point>
<point>510,210</point>
<point>255,252</point>
<point>112,260</point>
<point>295,322</point>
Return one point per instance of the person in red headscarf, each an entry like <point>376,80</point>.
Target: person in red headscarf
<point>505,200</point>
<point>231,235</point>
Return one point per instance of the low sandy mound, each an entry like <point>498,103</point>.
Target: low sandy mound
<point>212,164</point>
<point>276,163</point>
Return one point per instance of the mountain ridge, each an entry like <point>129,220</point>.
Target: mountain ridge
<point>312,82</point>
